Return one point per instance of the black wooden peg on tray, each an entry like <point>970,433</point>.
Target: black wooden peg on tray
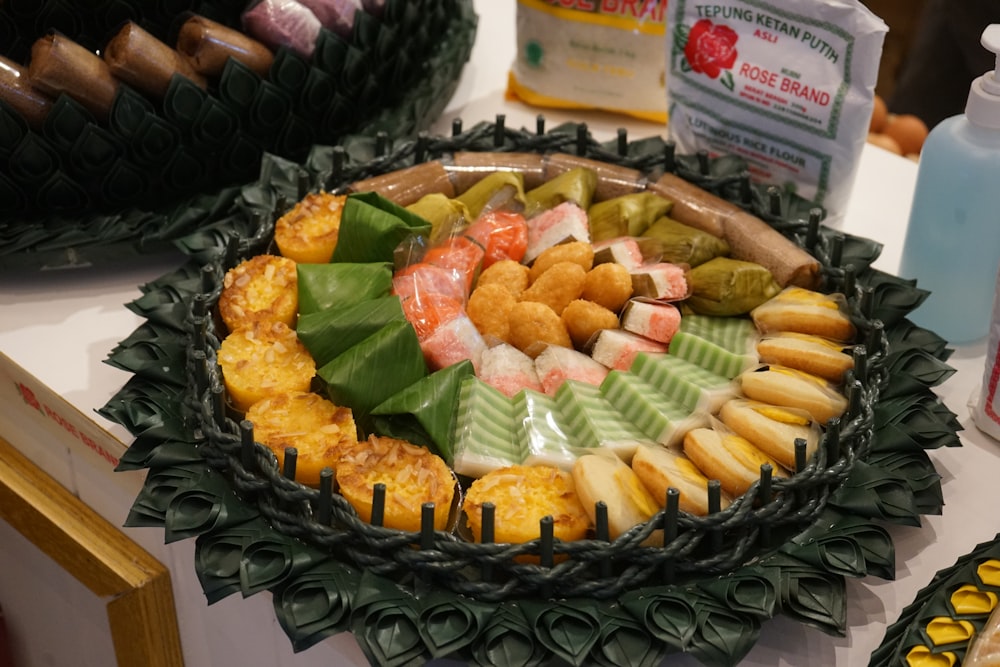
<point>382,143</point>
<point>427,526</point>
<point>670,157</point>
<point>764,495</point>
<point>325,505</point>
<point>246,444</point>
<point>746,189</point>
<point>303,183</point>
<point>860,356</point>
<point>378,504</point>
<point>291,461</point>
<point>456,127</point>
<point>602,532</point>
<point>812,228</point>
<point>774,201</point>
<point>714,507</point>
<point>849,280</point>
<point>540,124</point>
<point>498,130</point>
<point>208,278</point>
<point>704,163</point>
<point>486,536</point>
<point>800,454</point>
<point>338,156</point>
<point>831,440</point>
<point>836,249</point>
<point>670,511</point>
<point>546,529</point>
<point>420,148</point>
<point>582,135</point>
<point>200,360</point>
<point>622,141</point>
<point>219,406</point>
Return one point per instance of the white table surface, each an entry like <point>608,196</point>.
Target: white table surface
<point>60,326</point>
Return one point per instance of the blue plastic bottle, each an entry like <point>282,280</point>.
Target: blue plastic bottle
<point>952,242</point>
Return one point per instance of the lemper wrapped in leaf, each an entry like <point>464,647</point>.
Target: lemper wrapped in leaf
<point>341,284</point>
<point>448,216</point>
<point>576,185</point>
<point>372,227</point>
<point>331,332</point>
<point>683,244</point>
<point>352,378</point>
<point>626,215</point>
<point>725,287</point>
<point>501,190</point>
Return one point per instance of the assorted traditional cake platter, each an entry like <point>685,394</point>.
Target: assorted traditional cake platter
<point>524,397</point>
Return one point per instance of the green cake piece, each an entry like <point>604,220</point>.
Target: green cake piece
<point>724,345</point>
<point>594,422</point>
<point>658,416</point>
<point>539,427</point>
<point>484,438</point>
<point>697,389</point>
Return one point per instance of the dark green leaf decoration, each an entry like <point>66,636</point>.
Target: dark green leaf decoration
<point>873,492</point>
<point>385,623</point>
<point>274,559</point>
<point>916,469</point>
<point>160,488</point>
<point>449,623</point>
<point>934,602</point>
<point>317,603</point>
<point>624,642</point>
<point>812,596</point>
<point>923,416</point>
<point>753,590</point>
<point>208,506</point>
<point>508,639</point>
<point>666,611</point>
<point>723,636</point>
<point>569,629</point>
<point>846,545</point>
<point>912,372</point>
<point>893,298</point>
<point>218,557</point>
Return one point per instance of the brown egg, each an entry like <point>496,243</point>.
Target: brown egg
<point>908,131</point>
<point>886,142</point>
<point>880,114</point>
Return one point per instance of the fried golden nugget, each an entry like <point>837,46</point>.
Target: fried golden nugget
<point>507,273</point>
<point>608,285</point>
<point>559,285</point>
<point>578,252</point>
<point>534,326</point>
<point>489,309</point>
<point>584,318</point>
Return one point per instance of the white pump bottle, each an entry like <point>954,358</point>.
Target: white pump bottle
<point>952,242</point>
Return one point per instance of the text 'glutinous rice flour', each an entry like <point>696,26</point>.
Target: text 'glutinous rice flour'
<point>788,85</point>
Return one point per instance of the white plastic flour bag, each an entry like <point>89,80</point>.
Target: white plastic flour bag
<point>591,54</point>
<point>786,84</point>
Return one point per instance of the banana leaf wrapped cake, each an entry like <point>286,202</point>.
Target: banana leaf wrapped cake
<point>685,504</point>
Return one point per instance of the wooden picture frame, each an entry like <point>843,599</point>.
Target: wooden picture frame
<point>141,609</point>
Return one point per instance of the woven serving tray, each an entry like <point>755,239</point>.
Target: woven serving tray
<point>783,548</point>
<point>82,190</point>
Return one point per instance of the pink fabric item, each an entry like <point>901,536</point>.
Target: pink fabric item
<point>279,23</point>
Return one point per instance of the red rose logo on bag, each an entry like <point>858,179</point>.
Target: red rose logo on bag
<point>710,49</point>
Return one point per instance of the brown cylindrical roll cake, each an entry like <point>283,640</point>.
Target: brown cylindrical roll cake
<point>208,46</point>
<point>406,186</point>
<point>16,90</point>
<point>141,60</point>
<point>60,65</point>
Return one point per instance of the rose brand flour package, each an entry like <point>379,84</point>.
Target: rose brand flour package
<point>591,54</point>
<point>786,84</point>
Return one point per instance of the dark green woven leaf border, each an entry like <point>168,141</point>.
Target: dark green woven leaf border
<point>190,182</point>
<point>408,619</point>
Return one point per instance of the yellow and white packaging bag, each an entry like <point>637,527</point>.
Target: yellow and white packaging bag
<point>788,85</point>
<point>591,54</point>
